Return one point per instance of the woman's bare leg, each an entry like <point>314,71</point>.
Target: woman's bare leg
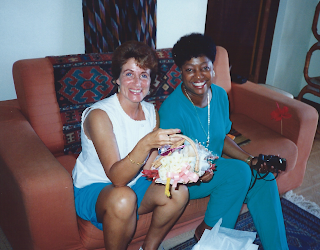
<point>116,208</point>
<point>166,212</point>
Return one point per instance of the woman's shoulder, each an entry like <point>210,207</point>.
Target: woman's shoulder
<point>174,107</point>
<point>147,105</point>
<point>104,102</point>
<point>173,98</point>
<point>175,93</point>
<point>218,92</point>
<point>217,88</point>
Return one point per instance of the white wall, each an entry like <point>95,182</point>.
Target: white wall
<point>292,40</point>
<point>37,28</point>
<point>177,18</point>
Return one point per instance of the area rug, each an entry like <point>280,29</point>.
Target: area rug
<point>302,228</point>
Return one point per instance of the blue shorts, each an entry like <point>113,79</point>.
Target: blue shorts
<point>86,199</point>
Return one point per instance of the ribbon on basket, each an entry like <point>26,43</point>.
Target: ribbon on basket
<point>183,162</point>
<point>185,176</point>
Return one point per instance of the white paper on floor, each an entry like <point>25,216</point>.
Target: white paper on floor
<point>220,238</point>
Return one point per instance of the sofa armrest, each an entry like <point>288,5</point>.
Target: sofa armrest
<point>257,102</point>
<point>36,192</point>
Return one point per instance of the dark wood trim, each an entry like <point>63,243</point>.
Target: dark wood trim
<point>245,28</point>
<point>315,23</point>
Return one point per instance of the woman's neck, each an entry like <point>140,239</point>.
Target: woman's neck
<point>200,101</point>
<point>132,109</point>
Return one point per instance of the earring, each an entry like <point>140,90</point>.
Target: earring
<point>118,88</point>
<point>214,73</point>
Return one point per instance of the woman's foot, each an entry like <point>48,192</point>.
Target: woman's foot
<point>200,229</point>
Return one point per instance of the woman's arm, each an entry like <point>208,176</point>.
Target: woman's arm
<point>98,128</point>
<point>231,149</point>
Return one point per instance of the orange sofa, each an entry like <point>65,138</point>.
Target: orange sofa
<point>36,192</point>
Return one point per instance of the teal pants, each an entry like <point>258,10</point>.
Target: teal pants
<point>228,190</point>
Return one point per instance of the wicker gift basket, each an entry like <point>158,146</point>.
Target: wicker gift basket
<point>183,162</point>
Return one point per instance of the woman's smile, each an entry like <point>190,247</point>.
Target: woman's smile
<point>135,91</point>
<point>199,84</point>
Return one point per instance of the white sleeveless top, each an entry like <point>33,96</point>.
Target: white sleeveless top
<point>88,168</point>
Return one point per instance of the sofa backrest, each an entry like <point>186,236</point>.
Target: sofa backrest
<point>53,91</point>
<point>221,68</point>
<point>34,84</point>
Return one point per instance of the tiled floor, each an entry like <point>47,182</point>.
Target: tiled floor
<point>310,188</point>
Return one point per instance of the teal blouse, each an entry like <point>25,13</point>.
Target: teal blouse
<point>178,112</point>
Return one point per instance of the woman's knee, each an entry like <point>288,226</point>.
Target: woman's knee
<point>120,202</point>
<point>240,174</point>
<point>269,183</point>
<point>180,195</point>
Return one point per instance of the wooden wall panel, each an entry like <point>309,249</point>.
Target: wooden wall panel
<point>245,28</point>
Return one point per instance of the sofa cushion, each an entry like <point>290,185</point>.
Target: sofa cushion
<point>81,80</point>
<point>265,140</point>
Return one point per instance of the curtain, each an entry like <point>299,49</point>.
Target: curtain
<point>109,23</point>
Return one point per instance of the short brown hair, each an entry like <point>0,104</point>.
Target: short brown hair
<point>145,57</point>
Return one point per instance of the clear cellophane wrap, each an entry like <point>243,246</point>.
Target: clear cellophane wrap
<point>183,162</point>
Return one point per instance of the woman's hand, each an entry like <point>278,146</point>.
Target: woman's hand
<point>263,167</point>
<point>207,176</point>
<point>156,139</point>
<point>161,137</point>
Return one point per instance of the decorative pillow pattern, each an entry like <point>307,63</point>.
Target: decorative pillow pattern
<point>81,80</point>
<point>167,79</point>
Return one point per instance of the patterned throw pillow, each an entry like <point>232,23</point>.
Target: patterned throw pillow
<point>81,80</point>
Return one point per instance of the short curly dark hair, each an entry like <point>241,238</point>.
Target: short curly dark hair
<point>193,45</point>
<point>145,57</point>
